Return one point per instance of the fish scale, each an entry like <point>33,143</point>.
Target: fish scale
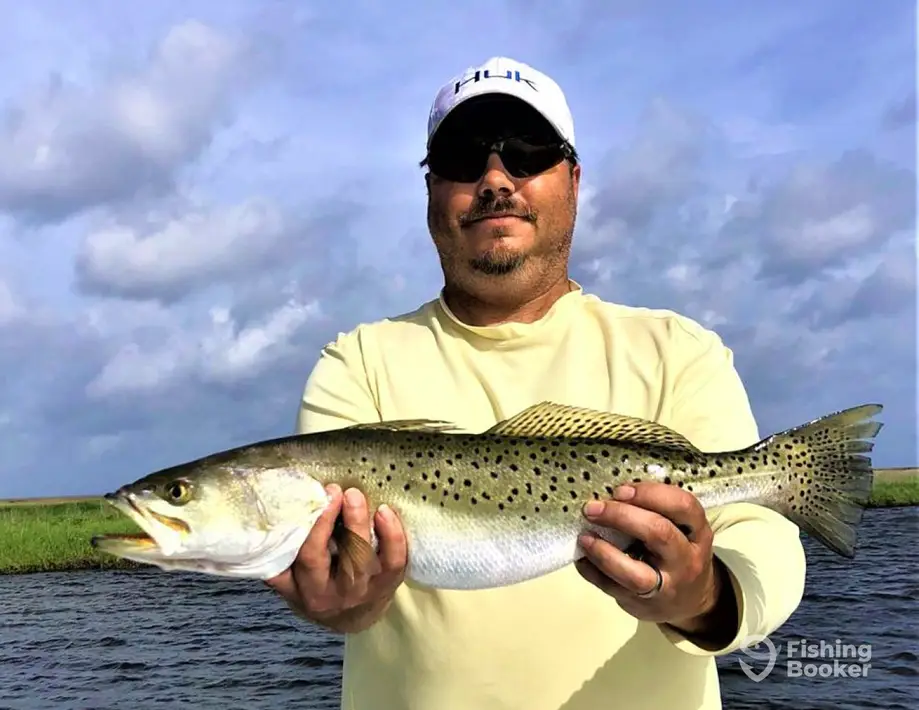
<point>487,509</point>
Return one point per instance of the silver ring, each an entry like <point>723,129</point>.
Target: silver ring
<point>657,587</point>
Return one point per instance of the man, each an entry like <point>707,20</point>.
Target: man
<point>509,330</point>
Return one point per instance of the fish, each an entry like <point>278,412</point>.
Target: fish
<point>480,510</point>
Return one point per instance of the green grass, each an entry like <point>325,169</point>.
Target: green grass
<point>37,536</point>
<point>895,487</point>
<point>49,534</point>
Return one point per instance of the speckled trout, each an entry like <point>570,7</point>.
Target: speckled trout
<point>486,509</point>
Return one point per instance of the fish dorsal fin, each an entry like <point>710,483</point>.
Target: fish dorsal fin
<point>428,425</point>
<point>548,419</point>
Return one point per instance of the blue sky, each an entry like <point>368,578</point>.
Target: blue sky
<point>195,197</point>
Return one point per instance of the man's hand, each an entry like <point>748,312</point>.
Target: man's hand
<point>315,592</point>
<point>695,595</point>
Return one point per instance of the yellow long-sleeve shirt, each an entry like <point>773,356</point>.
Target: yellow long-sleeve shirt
<point>554,643</point>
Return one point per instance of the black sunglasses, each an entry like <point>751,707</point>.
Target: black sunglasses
<point>465,160</point>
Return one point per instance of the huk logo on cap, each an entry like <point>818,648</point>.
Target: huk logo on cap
<point>482,74</point>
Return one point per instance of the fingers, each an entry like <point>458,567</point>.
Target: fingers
<point>311,569</point>
<point>620,570</point>
<point>652,514</point>
<point>357,519</point>
<point>314,589</point>
<point>393,551</point>
<point>284,585</point>
<point>672,502</point>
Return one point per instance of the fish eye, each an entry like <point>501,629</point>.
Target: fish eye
<point>178,492</point>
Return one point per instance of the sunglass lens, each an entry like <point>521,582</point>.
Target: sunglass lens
<point>525,159</point>
<point>459,163</point>
<point>465,161</point>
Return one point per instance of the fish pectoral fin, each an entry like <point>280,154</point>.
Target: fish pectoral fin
<point>355,554</point>
<point>432,425</point>
<point>548,419</point>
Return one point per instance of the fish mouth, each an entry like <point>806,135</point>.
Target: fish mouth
<point>139,544</point>
<point>125,543</point>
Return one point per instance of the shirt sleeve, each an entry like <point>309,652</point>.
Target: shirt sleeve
<point>337,392</point>
<point>760,548</point>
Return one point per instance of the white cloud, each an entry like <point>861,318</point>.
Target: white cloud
<point>10,308</point>
<point>170,254</point>
<point>218,351</point>
<point>65,147</point>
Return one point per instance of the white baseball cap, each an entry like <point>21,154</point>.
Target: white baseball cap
<point>501,75</point>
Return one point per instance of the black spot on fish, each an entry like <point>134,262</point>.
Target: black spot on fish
<point>586,475</point>
<point>514,467</point>
<point>591,458</point>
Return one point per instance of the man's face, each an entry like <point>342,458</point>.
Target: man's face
<point>494,230</point>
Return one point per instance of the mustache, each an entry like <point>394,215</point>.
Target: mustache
<point>484,208</point>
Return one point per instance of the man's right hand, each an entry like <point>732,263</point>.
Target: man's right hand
<point>345,605</point>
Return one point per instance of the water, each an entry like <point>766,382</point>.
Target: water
<point>144,640</point>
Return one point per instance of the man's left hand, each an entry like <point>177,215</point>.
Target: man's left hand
<point>675,531</point>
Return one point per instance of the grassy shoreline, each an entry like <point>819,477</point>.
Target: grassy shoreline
<point>52,534</point>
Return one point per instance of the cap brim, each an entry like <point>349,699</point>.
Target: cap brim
<point>491,96</point>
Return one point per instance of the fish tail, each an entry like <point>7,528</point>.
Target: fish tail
<point>823,475</point>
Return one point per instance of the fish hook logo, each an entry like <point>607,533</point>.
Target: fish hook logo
<point>770,656</point>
